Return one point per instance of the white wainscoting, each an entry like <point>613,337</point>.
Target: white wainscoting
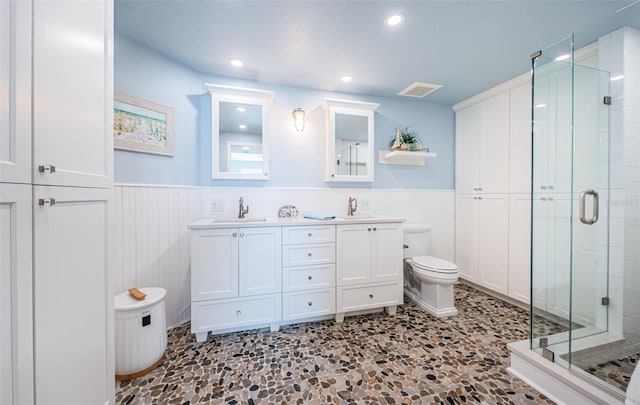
<point>152,240</point>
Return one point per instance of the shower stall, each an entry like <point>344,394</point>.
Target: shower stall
<point>585,203</point>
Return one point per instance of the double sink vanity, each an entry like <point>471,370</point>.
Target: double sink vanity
<point>250,273</point>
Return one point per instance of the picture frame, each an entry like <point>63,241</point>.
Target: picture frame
<point>142,126</point>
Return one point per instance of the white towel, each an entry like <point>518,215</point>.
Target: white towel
<point>633,389</point>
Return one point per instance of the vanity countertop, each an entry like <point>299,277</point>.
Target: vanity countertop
<point>216,223</point>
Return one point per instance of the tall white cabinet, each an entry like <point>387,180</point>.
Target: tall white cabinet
<point>55,202</point>
<point>493,186</point>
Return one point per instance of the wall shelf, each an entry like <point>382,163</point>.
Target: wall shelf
<point>406,158</point>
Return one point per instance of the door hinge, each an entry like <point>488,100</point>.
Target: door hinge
<point>605,301</point>
<point>607,100</point>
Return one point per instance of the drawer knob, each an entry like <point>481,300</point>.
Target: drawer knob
<point>242,234</point>
<point>368,229</point>
<point>370,295</point>
<point>375,229</point>
<point>238,312</point>
<point>309,254</point>
<point>310,278</point>
<point>309,234</point>
<point>234,234</point>
<point>310,303</point>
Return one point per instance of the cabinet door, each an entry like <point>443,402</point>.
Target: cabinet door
<point>73,93</point>
<point>468,134</point>
<point>73,305</point>
<point>386,251</point>
<point>520,247</point>
<point>353,254</point>
<point>16,329</point>
<point>520,139</point>
<point>493,242</point>
<point>15,91</point>
<point>214,264</point>
<point>260,261</point>
<point>467,236</point>
<point>493,168</point>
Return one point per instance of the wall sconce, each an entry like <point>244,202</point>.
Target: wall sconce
<point>298,116</point>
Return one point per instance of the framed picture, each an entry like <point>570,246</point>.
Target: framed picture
<point>142,126</point>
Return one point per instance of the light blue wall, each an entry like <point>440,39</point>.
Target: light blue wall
<point>297,159</point>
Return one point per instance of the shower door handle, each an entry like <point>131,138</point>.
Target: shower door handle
<point>583,197</point>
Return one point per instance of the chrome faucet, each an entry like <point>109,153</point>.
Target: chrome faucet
<point>353,206</point>
<point>243,211</point>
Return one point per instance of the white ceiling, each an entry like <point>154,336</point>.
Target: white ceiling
<point>468,46</point>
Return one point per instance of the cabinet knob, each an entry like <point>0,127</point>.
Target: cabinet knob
<point>241,234</point>
<point>238,312</point>
<point>309,234</point>
<point>543,187</point>
<point>333,175</point>
<point>550,187</point>
<point>543,199</point>
<point>475,197</point>
<point>49,168</point>
<point>234,234</point>
<point>475,189</point>
<point>479,198</point>
<point>370,295</point>
<point>47,201</point>
<point>266,173</point>
<point>310,278</point>
<point>310,303</point>
<point>375,229</point>
<point>479,188</point>
<point>309,254</point>
<point>550,199</point>
<point>368,229</point>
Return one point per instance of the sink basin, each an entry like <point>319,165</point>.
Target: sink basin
<point>356,217</point>
<point>227,220</point>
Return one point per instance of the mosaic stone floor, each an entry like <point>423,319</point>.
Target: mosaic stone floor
<point>615,372</point>
<point>409,358</point>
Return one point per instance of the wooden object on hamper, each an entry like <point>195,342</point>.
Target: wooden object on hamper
<point>137,294</point>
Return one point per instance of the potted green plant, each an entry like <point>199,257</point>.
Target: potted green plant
<point>405,139</point>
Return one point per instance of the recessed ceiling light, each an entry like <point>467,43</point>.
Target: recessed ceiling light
<point>563,57</point>
<point>394,19</point>
<point>242,126</point>
<point>236,62</point>
<point>241,109</point>
<point>614,78</point>
<point>346,79</point>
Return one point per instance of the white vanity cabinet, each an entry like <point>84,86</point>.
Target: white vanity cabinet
<point>308,271</point>
<point>368,267</point>
<point>236,279</point>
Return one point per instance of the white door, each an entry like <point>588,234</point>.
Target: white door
<point>386,251</point>
<point>16,328</point>
<point>467,236</point>
<point>214,264</point>
<point>493,242</point>
<point>520,247</point>
<point>493,167</point>
<point>260,261</point>
<point>353,254</point>
<point>73,93</point>
<point>15,91</point>
<point>72,303</point>
<point>469,123</point>
<point>520,139</point>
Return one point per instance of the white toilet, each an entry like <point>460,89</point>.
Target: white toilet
<point>428,280</point>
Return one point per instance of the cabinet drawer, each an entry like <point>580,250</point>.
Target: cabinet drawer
<point>299,255</point>
<point>365,297</point>
<point>305,277</point>
<point>225,314</point>
<point>305,304</point>
<point>292,235</point>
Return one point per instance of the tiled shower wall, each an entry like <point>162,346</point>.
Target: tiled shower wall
<point>152,240</point>
<point>620,55</point>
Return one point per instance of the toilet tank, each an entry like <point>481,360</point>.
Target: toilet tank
<point>416,237</point>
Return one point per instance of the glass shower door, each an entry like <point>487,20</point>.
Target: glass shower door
<point>570,189</point>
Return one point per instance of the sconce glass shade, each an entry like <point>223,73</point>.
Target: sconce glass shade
<point>298,116</point>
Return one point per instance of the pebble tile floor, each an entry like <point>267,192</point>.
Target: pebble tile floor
<point>615,372</point>
<point>409,358</point>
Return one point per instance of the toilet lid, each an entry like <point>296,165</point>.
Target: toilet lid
<point>435,264</point>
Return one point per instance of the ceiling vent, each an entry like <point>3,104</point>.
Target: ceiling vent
<point>419,89</point>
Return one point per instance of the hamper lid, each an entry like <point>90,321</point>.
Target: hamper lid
<point>125,302</point>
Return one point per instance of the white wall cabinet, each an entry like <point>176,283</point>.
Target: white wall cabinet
<point>368,267</point>
<point>493,157</point>
<point>73,93</point>
<point>72,305</point>
<point>235,271</point>
<point>16,327</point>
<point>15,91</point>
<point>56,106</point>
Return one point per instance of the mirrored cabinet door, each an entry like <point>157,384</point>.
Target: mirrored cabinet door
<point>239,139</point>
<point>350,140</point>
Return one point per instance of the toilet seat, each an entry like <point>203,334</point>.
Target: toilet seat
<point>434,264</point>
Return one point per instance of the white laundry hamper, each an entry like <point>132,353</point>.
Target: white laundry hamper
<point>140,333</point>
